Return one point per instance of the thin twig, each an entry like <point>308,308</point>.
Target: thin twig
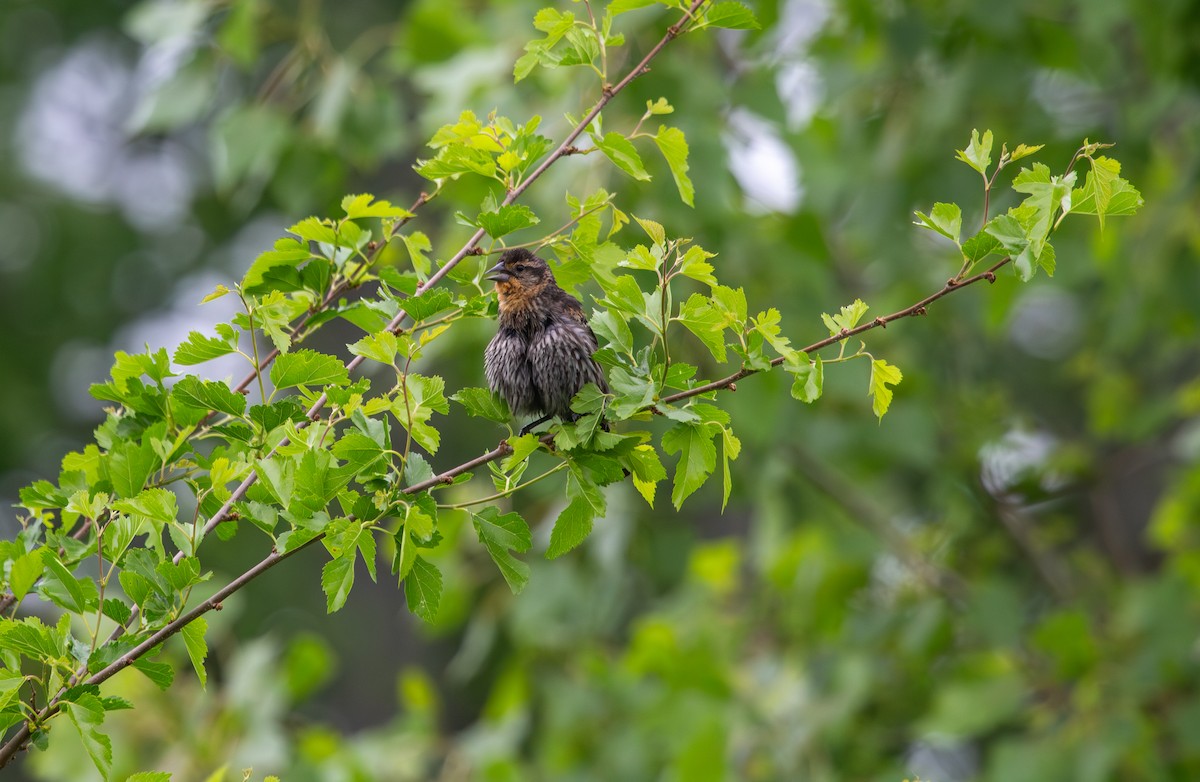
<point>917,309</point>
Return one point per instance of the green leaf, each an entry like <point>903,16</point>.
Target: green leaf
<point>708,324</point>
<point>161,674</point>
<point>731,448</point>
<point>420,397</point>
<point>654,230</point>
<point>32,638</point>
<point>337,578</point>
<point>79,595</point>
<point>980,246</point>
<point>207,395</point>
<point>87,714</point>
<point>733,16</point>
<point>647,470</point>
<point>24,573</point>
<point>308,368</point>
<point>197,648</point>
<point>523,446</point>
<point>357,207</point>
<point>418,245</point>
<point>423,589</point>
<point>482,403</point>
<point>1024,150</point>
<point>809,378</point>
<point>978,155</point>
<point>846,319</point>
<point>612,330</point>
<point>1104,193</point>
<point>288,252</point>
<point>381,347</point>
<point>155,504</point>
<point>358,450</point>
<point>673,145</point>
<point>883,375</point>
<point>429,303</point>
<point>198,348</point>
<point>695,264</point>
<point>501,534</point>
<point>1011,236</point>
<point>946,219</point>
<point>455,160</point>
<point>159,776</point>
<point>574,524</point>
<point>506,219</point>
<point>621,152</point>
<point>697,457</point>
<point>622,6</point>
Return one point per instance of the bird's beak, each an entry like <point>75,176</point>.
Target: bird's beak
<point>498,273</point>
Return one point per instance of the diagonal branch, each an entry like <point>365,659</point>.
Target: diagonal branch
<point>880,322</point>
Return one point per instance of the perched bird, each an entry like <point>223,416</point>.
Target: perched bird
<point>542,354</point>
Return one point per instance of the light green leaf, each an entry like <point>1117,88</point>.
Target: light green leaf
<point>708,324</point>
<point>287,252</point>
<point>673,145</point>
<point>1105,193</point>
<point>206,395</point>
<point>78,595</point>
<point>574,524</point>
<point>731,448</point>
<point>24,573</point>
<point>731,15</point>
<point>647,470</point>
<point>1024,150</point>
<point>87,714</point>
<point>337,579</point>
<point>809,378</point>
<point>380,346</point>
<point>357,207</point>
<point>695,264</point>
<point>308,368</point>
<point>697,457</point>
<point>621,152</point>
<point>197,648</point>
<point>946,219</point>
<point>482,403</point>
<point>883,375</point>
<point>500,535</point>
<point>846,319</point>
<point>506,219</point>
<point>200,348</point>
<point>978,154</point>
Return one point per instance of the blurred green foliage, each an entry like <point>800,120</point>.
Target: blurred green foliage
<point>998,582</point>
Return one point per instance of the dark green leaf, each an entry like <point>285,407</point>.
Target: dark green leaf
<point>673,145</point>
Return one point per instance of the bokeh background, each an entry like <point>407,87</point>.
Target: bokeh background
<point>999,582</point>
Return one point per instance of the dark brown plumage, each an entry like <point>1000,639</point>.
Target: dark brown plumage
<point>542,354</point>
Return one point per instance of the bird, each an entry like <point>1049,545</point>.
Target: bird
<point>542,352</point>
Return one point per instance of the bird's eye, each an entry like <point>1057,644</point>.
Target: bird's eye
<point>520,267</point>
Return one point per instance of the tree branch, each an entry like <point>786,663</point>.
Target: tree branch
<point>917,309</point>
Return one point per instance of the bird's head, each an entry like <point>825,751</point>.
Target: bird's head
<point>519,273</point>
